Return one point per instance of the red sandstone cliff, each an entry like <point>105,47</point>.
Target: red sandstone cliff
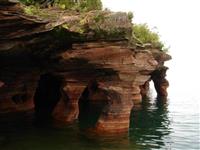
<point>70,71</point>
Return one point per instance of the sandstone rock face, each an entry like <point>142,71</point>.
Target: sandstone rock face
<point>68,79</point>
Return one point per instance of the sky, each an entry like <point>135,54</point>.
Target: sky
<point>178,23</point>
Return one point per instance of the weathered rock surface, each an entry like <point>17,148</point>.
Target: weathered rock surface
<point>69,75</point>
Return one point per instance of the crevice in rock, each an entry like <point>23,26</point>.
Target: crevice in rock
<point>91,104</point>
<point>20,98</point>
<point>47,96</point>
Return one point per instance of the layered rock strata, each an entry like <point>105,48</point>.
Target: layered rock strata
<point>68,75</point>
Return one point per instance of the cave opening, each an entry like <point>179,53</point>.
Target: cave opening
<point>47,95</point>
<point>91,105</point>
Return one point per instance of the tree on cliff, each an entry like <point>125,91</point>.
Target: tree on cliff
<point>144,36</point>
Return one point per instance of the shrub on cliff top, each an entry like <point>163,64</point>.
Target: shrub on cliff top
<point>78,5</point>
<point>144,35</point>
<point>130,15</point>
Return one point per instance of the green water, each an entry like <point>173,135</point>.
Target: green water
<point>157,125</point>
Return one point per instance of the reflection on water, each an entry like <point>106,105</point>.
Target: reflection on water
<point>150,125</point>
<point>153,126</point>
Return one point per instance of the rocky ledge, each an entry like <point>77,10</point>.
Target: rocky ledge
<point>75,66</point>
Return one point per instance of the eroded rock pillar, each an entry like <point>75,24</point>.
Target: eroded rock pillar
<point>160,82</point>
<point>67,109</point>
<point>115,115</point>
<point>136,95</point>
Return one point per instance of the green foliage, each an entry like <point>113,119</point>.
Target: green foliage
<point>35,10</point>
<point>31,10</point>
<point>144,35</point>
<point>35,2</point>
<point>130,15</point>
<point>93,4</point>
<point>99,17</point>
<point>78,5</point>
<point>64,4</point>
<point>27,2</point>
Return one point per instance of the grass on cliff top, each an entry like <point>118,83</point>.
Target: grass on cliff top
<point>143,35</point>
